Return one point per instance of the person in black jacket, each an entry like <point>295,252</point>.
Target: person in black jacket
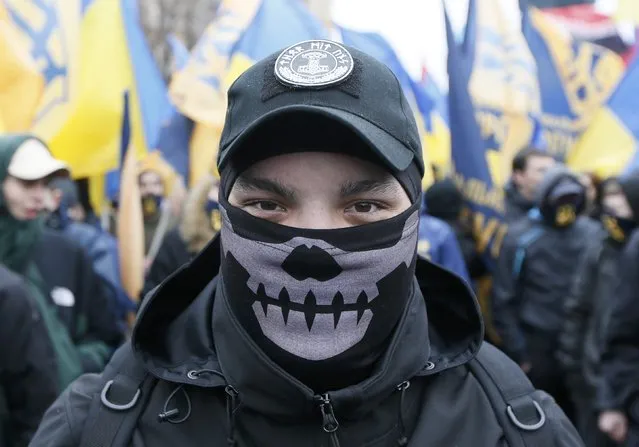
<point>589,304</point>
<point>79,319</point>
<point>528,169</point>
<point>311,320</point>
<point>533,277</point>
<point>201,221</point>
<point>619,391</point>
<point>27,362</point>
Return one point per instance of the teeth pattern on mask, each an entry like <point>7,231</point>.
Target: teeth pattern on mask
<point>310,308</point>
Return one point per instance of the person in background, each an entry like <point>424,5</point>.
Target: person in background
<point>200,222</point>
<point>27,386</point>
<point>81,326</point>
<point>66,215</point>
<point>444,201</point>
<point>533,277</point>
<point>156,180</point>
<point>589,304</point>
<point>528,169</point>
<point>618,395</point>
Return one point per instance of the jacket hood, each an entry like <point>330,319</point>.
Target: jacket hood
<point>196,332</point>
<point>553,177</point>
<point>195,227</point>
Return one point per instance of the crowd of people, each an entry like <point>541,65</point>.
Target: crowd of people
<point>316,330</point>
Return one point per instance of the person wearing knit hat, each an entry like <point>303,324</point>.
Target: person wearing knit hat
<point>588,307</point>
<point>77,315</point>
<point>310,319</point>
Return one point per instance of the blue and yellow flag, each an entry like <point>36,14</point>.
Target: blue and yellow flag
<point>610,142</point>
<point>471,154</point>
<point>21,83</point>
<point>503,84</point>
<point>79,113</point>
<point>148,98</point>
<point>575,80</point>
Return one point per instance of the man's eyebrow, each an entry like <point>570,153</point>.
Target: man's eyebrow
<point>248,183</point>
<point>349,189</point>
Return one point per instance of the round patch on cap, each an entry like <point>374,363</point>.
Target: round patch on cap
<point>313,63</point>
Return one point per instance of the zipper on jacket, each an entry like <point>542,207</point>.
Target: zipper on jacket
<point>329,421</point>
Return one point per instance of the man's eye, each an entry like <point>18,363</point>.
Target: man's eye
<point>365,207</point>
<point>265,205</point>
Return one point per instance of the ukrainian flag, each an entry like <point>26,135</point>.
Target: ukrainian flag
<point>503,84</point>
<point>610,142</point>
<point>575,80</point>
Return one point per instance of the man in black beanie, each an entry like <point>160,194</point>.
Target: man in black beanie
<point>310,320</point>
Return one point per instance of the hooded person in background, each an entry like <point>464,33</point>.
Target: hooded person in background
<point>66,290</point>
<point>27,387</point>
<point>201,221</point>
<point>156,181</point>
<point>310,320</point>
<point>528,169</point>
<point>589,306</point>
<point>444,201</point>
<point>534,275</point>
<point>618,397</point>
<point>100,246</point>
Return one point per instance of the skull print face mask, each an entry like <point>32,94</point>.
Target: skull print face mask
<point>318,300</point>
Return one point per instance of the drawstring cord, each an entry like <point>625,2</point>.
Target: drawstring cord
<point>170,415</point>
<point>403,440</point>
<point>231,400</point>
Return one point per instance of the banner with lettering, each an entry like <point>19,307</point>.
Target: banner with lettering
<point>575,79</point>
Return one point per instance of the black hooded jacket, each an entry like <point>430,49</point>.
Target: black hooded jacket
<point>187,338</point>
<point>589,307</point>
<point>27,363</point>
<point>531,283</point>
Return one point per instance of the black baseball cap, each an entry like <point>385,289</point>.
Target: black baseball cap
<point>330,80</point>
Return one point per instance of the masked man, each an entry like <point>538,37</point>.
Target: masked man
<point>534,275</point>
<point>310,320</point>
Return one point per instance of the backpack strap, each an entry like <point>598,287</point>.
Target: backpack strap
<point>126,389</point>
<point>511,395</point>
<point>524,241</point>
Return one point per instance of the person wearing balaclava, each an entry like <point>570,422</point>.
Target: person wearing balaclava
<point>589,305</point>
<point>533,277</point>
<point>617,398</point>
<point>201,221</point>
<point>156,181</point>
<point>78,318</point>
<point>309,320</point>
